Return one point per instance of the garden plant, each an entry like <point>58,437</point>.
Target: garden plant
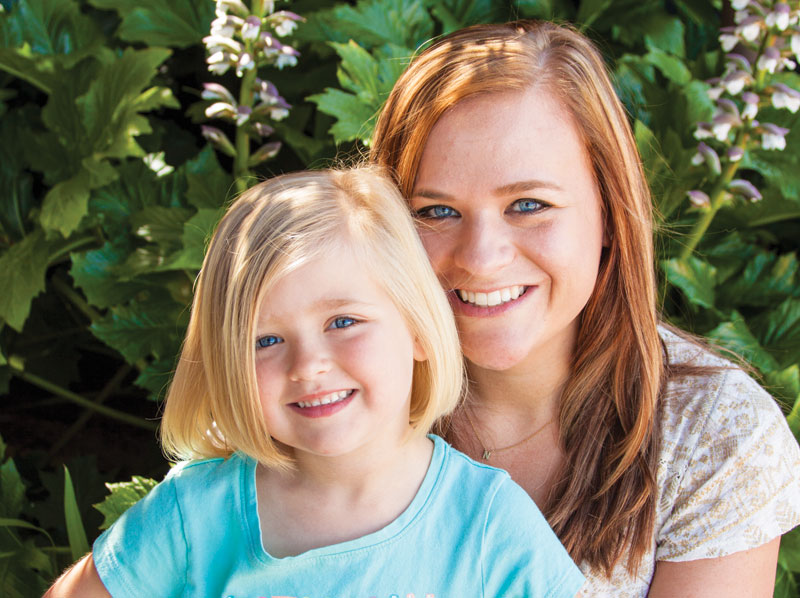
<point>127,125</point>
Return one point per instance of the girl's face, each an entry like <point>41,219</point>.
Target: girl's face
<point>334,359</point>
<point>512,221</point>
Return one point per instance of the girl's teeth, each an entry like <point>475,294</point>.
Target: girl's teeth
<point>334,397</point>
<point>493,298</point>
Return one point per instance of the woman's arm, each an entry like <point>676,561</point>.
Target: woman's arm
<point>745,574</point>
<point>80,580</point>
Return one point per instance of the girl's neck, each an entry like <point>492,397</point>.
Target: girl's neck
<point>326,501</point>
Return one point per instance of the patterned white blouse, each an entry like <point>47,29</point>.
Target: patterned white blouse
<point>728,474</point>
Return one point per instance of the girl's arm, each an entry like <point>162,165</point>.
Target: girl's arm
<point>745,574</point>
<point>81,581</point>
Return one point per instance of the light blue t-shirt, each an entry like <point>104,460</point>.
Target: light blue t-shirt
<point>470,532</point>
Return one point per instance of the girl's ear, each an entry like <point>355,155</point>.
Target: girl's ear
<point>419,352</point>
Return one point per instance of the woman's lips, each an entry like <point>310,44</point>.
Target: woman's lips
<point>496,301</point>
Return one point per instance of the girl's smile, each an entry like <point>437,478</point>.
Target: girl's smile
<point>334,359</point>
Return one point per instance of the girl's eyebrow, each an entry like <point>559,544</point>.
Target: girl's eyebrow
<point>510,189</point>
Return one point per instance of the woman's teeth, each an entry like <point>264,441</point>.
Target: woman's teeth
<point>334,397</point>
<point>494,298</point>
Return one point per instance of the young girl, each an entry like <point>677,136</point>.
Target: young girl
<point>320,350</point>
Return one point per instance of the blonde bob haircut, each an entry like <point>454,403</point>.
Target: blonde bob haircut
<point>212,406</point>
<point>603,507</point>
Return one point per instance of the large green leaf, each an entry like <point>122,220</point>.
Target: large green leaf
<point>66,204</point>
<point>765,280</point>
<point>177,23</point>
<point>123,496</point>
<point>12,490</point>
<point>664,32</point>
<point>695,277</point>
<point>208,185</point>
<point>671,67</point>
<point>737,336</point>
<point>779,331</point>
<point>96,273</point>
<point>22,276</point>
<point>355,120</point>
<point>142,329</point>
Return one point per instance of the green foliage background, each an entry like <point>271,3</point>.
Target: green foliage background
<point>100,243</point>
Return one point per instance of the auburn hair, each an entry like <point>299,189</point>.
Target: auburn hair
<point>603,507</point>
<point>213,407</point>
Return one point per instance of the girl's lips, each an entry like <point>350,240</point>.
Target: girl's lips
<point>322,410</point>
<point>463,308</point>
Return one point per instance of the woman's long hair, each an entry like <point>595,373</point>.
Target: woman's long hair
<point>603,507</point>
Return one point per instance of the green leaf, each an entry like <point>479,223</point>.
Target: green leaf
<point>699,107</point>
<point>695,277</point>
<point>376,22</point>
<point>177,24</point>
<point>671,67</point>
<point>736,336</point>
<point>142,329</point>
<point>209,185</point>
<point>96,273</point>
<point>664,32</point>
<point>22,276</point>
<point>12,490</point>
<point>109,108</point>
<point>590,11</point>
<point>7,522</point>
<point>123,496</point>
<point>66,204</point>
<point>785,385</point>
<point>779,167</point>
<point>78,543</point>
<point>355,120</point>
<point>779,331</point>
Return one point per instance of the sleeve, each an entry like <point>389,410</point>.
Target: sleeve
<point>144,553</point>
<point>736,473</point>
<point>521,557</point>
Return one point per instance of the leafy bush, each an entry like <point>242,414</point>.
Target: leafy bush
<point>111,192</point>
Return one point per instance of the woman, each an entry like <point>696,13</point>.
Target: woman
<point>664,469</point>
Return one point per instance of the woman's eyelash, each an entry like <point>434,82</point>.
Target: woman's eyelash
<point>435,212</point>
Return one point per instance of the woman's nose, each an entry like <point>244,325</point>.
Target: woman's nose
<point>308,360</point>
<point>484,246</point>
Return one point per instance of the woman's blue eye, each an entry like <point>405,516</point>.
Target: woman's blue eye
<point>268,341</point>
<point>527,205</point>
<point>342,322</point>
<point>436,212</point>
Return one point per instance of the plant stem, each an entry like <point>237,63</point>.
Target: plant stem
<point>78,399</point>
<point>87,414</point>
<point>74,298</point>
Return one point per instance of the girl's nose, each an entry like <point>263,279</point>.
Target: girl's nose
<point>309,360</point>
<point>484,246</point>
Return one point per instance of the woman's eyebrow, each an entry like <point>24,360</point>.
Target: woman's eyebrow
<point>529,185</point>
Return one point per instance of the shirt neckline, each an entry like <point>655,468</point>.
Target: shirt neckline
<point>422,498</point>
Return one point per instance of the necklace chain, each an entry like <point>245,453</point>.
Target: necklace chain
<point>487,452</point>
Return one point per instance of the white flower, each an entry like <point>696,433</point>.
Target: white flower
<point>219,68</point>
<point>735,154</point>
<point>236,6</point>
<point>278,113</point>
<point>721,130</point>
<point>735,82</point>
<point>215,91</point>
<point>286,57</point>
<point>744,188</point>
<point>779,18</point>
<point>786,97</point>
<point>750,28</point>
<point>243,115</point>
<point>773,137</point>
<point>218,109</point>
<point>795,43</point>
<point>251,28</point>
<point>714,93</point>
<point>698,159</point>
<point>739,4</point>
<point>750,109</point>
<point>769,60</point>
<point>245,63</point>
<point>728,41</point>
<point>710,157</point>
<point>699,198</point>
<point>215,43</point>
<point>703,131</point>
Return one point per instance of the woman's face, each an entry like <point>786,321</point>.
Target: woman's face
<point>512,221</point>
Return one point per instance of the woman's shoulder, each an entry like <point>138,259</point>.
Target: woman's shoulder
<point>728,461</point>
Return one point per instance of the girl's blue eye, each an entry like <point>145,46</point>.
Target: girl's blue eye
<point>527,205</point>
<point>436,212</point>
<point>268,341</point>
<point>342,322</point>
